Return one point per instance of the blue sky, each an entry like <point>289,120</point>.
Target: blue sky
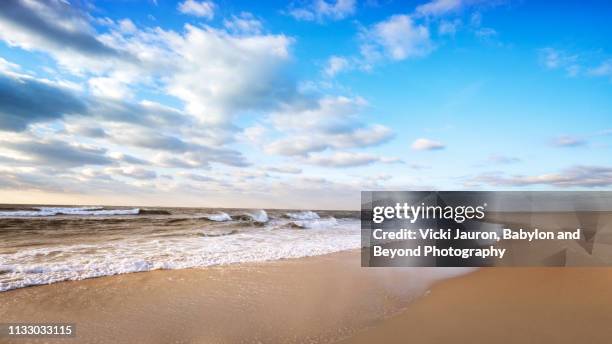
<point>300,104</point>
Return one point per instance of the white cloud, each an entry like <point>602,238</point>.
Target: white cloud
<point>604,69</point>
<point>7,67</point>
<point>438,7</point>
<point>127,26</point>
<point>569,141</point>
<point>556,59</point>
<point>397,38</point>
<point>575,176</point>
<point>204,9</point>
<point>245,23</point>
<point>423,144</point>
<point>59,29</point>
<point>111,87</point>
<point>330,123</point>
<point>485,33</point>
<point>132,172</point>
<point>307,142</point>
<point>447,27</point>
<point>241,73</point>
<point>347,159</point>
<point>335,65</point>
<point>284,169</point>
<point>321,10</point>
<point>255,134</point>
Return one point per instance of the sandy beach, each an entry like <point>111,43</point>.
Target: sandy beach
<point>317,299</point>
<point>324,299</point>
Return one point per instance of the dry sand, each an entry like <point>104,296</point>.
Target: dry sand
<point>324,299</point>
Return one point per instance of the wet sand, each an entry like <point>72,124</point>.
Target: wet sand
<point>324,299</point>
<point>312,300</point>
<point>507,305</point>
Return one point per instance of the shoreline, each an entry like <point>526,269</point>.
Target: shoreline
<point>324,299</point>
<point>314,299</point>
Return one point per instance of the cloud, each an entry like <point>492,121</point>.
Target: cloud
<point>327,123</point>
<point>423,144</point>
<point>347,159</point>
<point>110,87</point>
<point>245,23</point>
<point>245,71</point>
<point>603,69</point>
<point>317,142</point>
<point>284,169</point>
<point>201,157</point>
<point>242,73</point>
<point>572,63</point>
<point>485,33</point>
<point>197,177</point>
<point>321,10</point>
<point>576,176</point>
<point>27,100</point>
<point>438,7</point>
<point>502,159</point>
<point>52,25</point>
<point>449,28</point>
<point>133,172</point>
<point>55,153</point>
<point>84,130</point>
<point>129,159</point>
<point>203,9</point>
<point>335,65</point>
<point>396,38</point>
<point>569,141</point>
<point>175,151</point>
<point>331,123</point>
<point>7,67</point>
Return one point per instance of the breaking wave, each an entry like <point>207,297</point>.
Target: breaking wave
<point>83,211</point>
<point>221,217</point>
<point>303,215</point>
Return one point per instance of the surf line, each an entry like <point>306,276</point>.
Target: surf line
<point>433,251</point>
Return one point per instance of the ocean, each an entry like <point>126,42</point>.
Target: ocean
<point>48,244</point>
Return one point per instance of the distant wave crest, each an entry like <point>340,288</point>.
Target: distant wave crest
<point>303,215</point>
<point>220,217</point>
<point>83,211</point>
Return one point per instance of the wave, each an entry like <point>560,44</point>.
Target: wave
<point>260,216</point>
<point>35,265</point>
<point>220,217</point>
<point>303,215</point>
<point>314,224</point>
<point>84,211</point>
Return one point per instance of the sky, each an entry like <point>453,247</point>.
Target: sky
<point>276,104</point>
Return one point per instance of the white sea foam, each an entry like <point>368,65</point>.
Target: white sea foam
<point>53,263</point>
<point>83,211</point>
<point>259,216</point>
<point>317,223</point>
<point>220,217</point>
<point>303,215</point>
